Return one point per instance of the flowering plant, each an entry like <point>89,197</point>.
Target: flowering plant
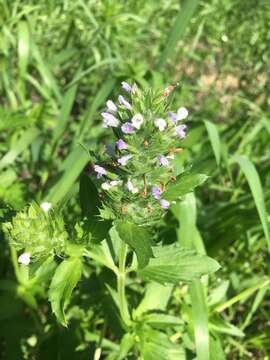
<point>132,186</point>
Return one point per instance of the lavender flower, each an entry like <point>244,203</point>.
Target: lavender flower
<point>111,106</point>
<point>131,187</point>
<point>173,116</point>
<point>126,87</point>
<point>127,128</point>
<point>156,193</point>
<point>124,102</point>
<point>181,114</point>
<point>121,144</point>
<point>163,161</point>
<point>164,204</point>
<point>100,171</point>
<point>160,124</point>
<point>137,120</point>
<point>180,130</point>
<point>124,159</point>
<point>109,120</point>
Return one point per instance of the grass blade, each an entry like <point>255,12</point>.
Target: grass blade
<point>26,139</point>
<point>255,185</point>
<point>178,29</point>
<point>71,169</point>
<point>189,236</point>
<point>214,139</point>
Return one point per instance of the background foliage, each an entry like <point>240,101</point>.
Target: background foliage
<point>60,60</point>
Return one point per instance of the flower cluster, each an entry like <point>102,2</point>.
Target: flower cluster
<point>140,167</point>
<point>37,232</point>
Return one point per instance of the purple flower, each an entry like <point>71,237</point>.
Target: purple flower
<point>100,171</point>
<point>181,114</point>
<point>164,204</point>
<point>127,128</point>
<point>124,159</point>
<point>111,106</point>
<point>180,130</point>
<point>121,144</point>
<point>163,161</point>
<point>109,120</point>
<point>124,102</point>
<point>126,87</point>
<point>131,187</point>
<point>156,192</point>
<point>137,120</point>
<point>173,116</point>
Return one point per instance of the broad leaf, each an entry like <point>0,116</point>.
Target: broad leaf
<point>184,184</point>
<point>63,282</point>
<point>172,264</point>
<point>156,345</point>
<point>88,196</point>
<point>138,239</point>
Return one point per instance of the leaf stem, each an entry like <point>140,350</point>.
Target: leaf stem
<point>123,307</point>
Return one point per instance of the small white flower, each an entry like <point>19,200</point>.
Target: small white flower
<point>161,124</point>
<point>171,156</point>
<point>111,106</point>
<point>182,113</point>
<point>108,185</point>
<point>105,186</point>
<point>45,206</point>
<point>137,120</point>
<point>131,187</point>
<point>24,258</point>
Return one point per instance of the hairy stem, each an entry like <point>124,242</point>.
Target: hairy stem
<point>121,284</point>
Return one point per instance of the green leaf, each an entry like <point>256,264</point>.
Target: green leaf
<point>126,344</point>
<point>184,184</point>
<point>161,321</point>
<point>172,264</point>
<point>255,185</point>
<point>89,198</point>
<point>25,140</point>
<point>221,326</point>
<point>200,319</point>
<point>23,46</point>
<point>156,297</point>
<point>66,276</point>
<point>138,239</point>
<point>214,139</point>
<point>178,29</point>
<point>156,345</point>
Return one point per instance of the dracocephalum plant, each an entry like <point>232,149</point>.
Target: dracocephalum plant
<point>133,184</point>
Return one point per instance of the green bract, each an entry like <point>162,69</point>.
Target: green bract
<point>37,232</point>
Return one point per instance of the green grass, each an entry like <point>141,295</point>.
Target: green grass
<point>60,61</point>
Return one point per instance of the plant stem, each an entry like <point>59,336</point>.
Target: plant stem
<point>121,284</point>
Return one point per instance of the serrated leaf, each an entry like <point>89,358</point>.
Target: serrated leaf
<point>138,239</point>
<point>172,264</point>
<point>65,278</point>
<point>184,184</point>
